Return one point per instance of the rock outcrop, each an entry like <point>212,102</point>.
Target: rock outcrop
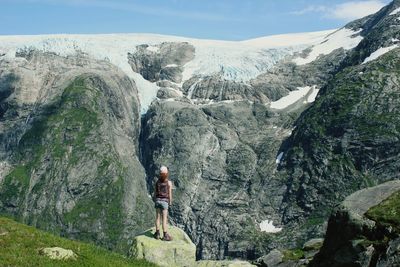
<point>357,237</point>
<point>179,252</point>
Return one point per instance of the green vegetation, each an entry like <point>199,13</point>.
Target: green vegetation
<point>20,244</point>
<point>106,202</point>
<point>16,183</point>
<point>387,212</point>
<point>294,254</point>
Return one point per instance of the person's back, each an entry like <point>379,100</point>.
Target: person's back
<point>162,192</point>
<point>162,200</point>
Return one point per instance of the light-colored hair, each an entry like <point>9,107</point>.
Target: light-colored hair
<point>163,169</point>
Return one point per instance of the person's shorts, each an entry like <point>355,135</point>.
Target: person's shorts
<point>160,204</point>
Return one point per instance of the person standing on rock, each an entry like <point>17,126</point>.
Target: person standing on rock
<point>163,199</point>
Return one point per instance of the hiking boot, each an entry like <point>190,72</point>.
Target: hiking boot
<point>167,237</point>
<point>156,235</point>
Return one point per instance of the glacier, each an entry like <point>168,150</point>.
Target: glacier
<point>234,60</point>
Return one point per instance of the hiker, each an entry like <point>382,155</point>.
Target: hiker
<point>162,199</point>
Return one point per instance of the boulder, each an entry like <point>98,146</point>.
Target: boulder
<point>313,244</point>
<point>179,252</point>
<point>353,238</point>
<point>274,258</point>
<point>57,253</point>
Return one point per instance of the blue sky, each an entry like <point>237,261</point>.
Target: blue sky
<point>211,19</point>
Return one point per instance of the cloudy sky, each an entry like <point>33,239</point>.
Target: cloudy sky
<point>211,19</point>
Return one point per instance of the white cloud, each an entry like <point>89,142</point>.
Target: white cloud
<point>347,11</point>
<point>355,10</point>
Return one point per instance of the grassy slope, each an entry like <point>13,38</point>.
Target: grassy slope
<point>19,245</point>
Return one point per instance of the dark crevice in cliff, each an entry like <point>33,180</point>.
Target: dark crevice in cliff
<point>144,153</point>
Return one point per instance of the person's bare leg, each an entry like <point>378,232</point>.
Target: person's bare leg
<point>158,215</point>
<point>165,220</point>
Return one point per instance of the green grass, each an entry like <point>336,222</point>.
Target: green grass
<point>19,246</point>
<point>387,212</point>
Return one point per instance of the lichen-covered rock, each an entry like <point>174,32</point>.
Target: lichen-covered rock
<point>313,244</point>
<point>57,253</point>
<point>179,252</point>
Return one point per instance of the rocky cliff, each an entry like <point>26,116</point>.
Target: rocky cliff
<point>69,143</point>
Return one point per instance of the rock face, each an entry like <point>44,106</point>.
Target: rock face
<point>70,132</point>
<point>222,161</point>
<point>352,239</point>
<point>179,252</point>
<point>162,62</point>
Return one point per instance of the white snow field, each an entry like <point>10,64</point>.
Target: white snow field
<point>380,52</point>
<point>234,60</point>
<point>343,38</point>
<point>394,12</point>
<point>295,96</point>
<point>268,227</point>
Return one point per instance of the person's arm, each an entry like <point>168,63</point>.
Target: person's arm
<point>170,192</point>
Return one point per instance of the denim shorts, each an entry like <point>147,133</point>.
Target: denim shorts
<point>161,204</point>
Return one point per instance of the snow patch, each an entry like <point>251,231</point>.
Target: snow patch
<point>381,51</point>
<point>268,227</point>
<point>294,96</point>
<point>171,66</point>
<point>279,158</point>
<point>343,38</point>
<point>311,98</point>
<point>394,12</point>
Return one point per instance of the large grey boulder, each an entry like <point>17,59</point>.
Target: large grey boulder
<point>179,252</point>
<point>354,240</point>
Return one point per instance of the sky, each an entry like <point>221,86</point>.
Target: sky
<point>205,19</point>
